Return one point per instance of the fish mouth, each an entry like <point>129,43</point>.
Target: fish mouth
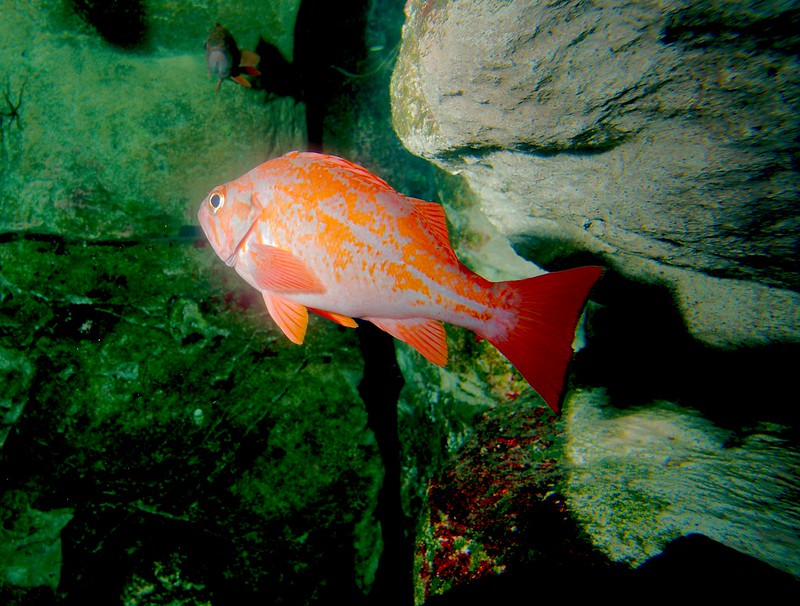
<point>219,248</point>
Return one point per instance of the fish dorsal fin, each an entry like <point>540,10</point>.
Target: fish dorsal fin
<point>291,317</point>
<point>426,336</point>
<point>338,318</point>
<point>278,270</point>
<point>357,170</point>
<point>435,220</point>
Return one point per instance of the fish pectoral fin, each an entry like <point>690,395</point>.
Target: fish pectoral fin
<point>291,317</point>
<point>280,271</point>
<point>338,318</point>
<point>426,336</point>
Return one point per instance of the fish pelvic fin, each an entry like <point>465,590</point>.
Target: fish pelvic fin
<point>547,309</point>
<point>242,81</point>
<point>426,336</point>
<point>291,317</point>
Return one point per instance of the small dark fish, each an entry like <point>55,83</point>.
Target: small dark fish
<point>224,59</point>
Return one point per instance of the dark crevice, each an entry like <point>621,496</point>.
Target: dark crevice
<point>329,48</point>
<point>735,389</point>
<point>380,390</point>
<point>586,144</point>
<point>698,27</point>
<point>122,23</point>
<point>692,564</point>
<point>326,38</point>
<point>187,234</point>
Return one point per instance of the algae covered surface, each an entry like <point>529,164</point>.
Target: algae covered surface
<point>159,436</point>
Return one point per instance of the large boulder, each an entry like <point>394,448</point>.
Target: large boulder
<point>658,140</point>
<point>658,137</point>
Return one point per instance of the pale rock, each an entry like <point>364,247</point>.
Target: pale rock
<point>659,137</point>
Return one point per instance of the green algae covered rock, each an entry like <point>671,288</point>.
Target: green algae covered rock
<point>113,143</point>
<point>30,550</point>
<point>178,444</point>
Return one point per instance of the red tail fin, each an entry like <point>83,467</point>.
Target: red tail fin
<point>540,345</point>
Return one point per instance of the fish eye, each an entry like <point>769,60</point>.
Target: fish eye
<point>217,201</point>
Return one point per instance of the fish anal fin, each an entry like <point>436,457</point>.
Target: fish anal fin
<point>280,271</point>
<point>426,336</point>
<point>241,80</point>
<point>291,317</point>
<point>338,318</point>
<point>434,218</point>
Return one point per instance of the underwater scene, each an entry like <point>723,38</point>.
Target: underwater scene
<point>390,302</point>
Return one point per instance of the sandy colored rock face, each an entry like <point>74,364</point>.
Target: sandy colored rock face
<point>655,136</point>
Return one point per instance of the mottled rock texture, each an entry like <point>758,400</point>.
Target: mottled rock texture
<point>660,137</point>
<point>640,478</point>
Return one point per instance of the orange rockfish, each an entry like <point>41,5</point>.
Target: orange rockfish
<point>316,232</point>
